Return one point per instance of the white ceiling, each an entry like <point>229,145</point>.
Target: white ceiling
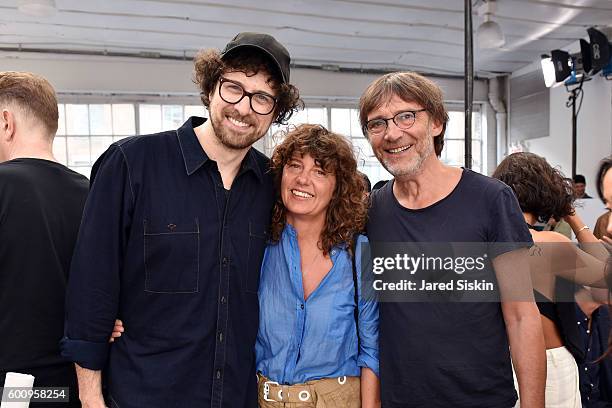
<point>426,36</point>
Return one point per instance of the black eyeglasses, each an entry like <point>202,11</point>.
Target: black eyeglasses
<point>403,120</point>
<point>232,92</point>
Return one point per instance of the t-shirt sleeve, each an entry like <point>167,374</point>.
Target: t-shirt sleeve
<point>507,229</point>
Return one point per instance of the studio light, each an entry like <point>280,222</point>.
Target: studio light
<point>572,69</point>
<point>600,52</point>
<point>548,69</point>
<point>562,63</point>
<point>37,8</point>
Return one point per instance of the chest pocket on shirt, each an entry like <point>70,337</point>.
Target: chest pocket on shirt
<point>171,256</point>
<point>258,238</point>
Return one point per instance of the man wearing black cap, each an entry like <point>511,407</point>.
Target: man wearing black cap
<point>172,240</point>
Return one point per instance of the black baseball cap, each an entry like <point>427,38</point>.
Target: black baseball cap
<point>266,43</point>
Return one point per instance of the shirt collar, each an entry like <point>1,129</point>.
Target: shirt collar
<point>195,157</point>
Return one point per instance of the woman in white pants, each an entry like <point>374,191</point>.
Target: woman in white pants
<point>556,266</point>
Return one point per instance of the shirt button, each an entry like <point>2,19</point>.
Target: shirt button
<point>586,369</point>
<point>588,331</point>
<point>302,306</point>
<point>218,374</point>
<point>223,300</point>
<point>225,260</point>
<point>578,322</point>
<point>220,337</point>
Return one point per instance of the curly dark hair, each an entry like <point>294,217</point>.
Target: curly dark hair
<point>541,189</point>
<point>209,67</point>
<point>347,211</point>
<point>604,166</point>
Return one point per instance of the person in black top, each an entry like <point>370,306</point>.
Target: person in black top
<point>441,354</point>
<point>542,193</point>
<point>172,240</point>
<point>41,202</point>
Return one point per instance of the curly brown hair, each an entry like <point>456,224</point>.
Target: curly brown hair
<point>541,189</point>
<point>347,211</point>
<point>209,67</point>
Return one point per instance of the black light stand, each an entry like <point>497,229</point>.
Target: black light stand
<point>469,82</point>
<point>575,93</point>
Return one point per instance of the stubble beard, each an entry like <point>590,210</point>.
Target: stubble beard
<point>230,139</point>
<point>415,165</point>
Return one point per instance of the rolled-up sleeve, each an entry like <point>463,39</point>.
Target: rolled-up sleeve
<point>92,296</point>
<point>368,311</point>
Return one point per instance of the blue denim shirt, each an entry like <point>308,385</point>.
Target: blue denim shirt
<point>299,340</point>
<point>163,249</point>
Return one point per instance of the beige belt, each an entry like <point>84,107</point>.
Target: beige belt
<point>307,392</point>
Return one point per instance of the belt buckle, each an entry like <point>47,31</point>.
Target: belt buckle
<point>266,390</point>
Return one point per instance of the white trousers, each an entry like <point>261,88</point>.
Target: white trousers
<point>562,382</point>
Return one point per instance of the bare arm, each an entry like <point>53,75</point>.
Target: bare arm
<point>370,389</point>
<point>589,242</point>
<point>561,257</point>
<point>90,387</point>
<point>523,325</point>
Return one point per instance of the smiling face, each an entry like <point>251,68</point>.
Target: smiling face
<point>403,152</point>
<point>306,189</point>
<point>237,126</point>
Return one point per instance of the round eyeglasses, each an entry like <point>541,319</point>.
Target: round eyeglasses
<point>232,92</point>
<point>403,120</point>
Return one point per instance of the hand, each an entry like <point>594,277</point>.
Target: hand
<point>117,330</point>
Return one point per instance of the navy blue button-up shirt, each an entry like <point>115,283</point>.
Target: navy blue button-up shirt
<point>164,247</point>
<point>595,377</point>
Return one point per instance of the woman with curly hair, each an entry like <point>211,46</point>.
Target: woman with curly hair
<point>556,265</point>
<point>318,341</point>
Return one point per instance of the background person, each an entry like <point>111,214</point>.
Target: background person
<point>580,187</point>
<point>542,193</point>
<point>41,203</point>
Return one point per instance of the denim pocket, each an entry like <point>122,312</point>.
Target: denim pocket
<point>171,256</point>
<point>258,238</point>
